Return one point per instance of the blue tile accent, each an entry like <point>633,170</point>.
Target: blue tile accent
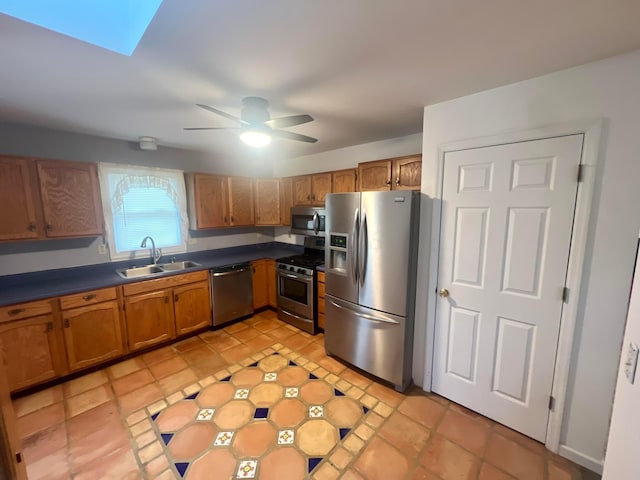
<point>261,412</point>
<point>292,363</point>
<point>312,376</point>
<point>313,463</point>
<point>182,467</point>
<point>365,409</point>
<point>154,416</point>
<point>254,364</point>
<point>226,379</point>
<point>344,432</point>
<point>338,393</point>
<point>166,437</point>
<point>192,396</point>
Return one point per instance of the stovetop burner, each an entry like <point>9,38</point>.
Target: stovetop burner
<point>306,260</point>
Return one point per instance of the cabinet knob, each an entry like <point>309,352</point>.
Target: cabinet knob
<point>225,219</point>
<point>91,296</point>
<point>66,323</point>
<point>175,297</point>
<point>313,197</point>
<point>232,219</point>
<point>48,227</point>
<point>32,227</point>
<point>397,180</point>
<point>388,182</point>
<point>49,326</point>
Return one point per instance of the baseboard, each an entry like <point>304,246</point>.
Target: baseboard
<point>581,459</point>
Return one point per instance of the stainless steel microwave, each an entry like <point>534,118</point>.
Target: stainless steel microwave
<point>308,221</point>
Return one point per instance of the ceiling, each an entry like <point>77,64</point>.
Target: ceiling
<point>363,68</point>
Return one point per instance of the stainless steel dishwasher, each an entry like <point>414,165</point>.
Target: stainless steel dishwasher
<point>231,292</point>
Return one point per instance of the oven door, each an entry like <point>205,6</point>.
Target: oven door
<point>295,293</point>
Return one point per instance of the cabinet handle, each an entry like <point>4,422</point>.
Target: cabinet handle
<point>16,311</point>
<point>175,297</point>
<point>166,299</point>
<point>91,296</point>
<point>397,180</point>
<point>49,326</point>
<point>388,182</point>
<point>32,227</point>
<point>66,323</point>
<point>48,227</point>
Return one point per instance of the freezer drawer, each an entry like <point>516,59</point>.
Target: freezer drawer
<point>371,340</point>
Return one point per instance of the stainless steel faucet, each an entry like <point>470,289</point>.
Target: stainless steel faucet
<point>155,253</point>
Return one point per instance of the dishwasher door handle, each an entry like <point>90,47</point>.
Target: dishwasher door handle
<point>230,272</point>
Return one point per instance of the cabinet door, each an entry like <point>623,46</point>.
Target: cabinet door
<point>192,307</point>
<point>267,201</point>
<point>18,198</point>
<point>30,351</point>
<point>407,173</point>
<point>302,190</point>
<point>70,198</point>
<point>208,201</point>
<point>320,186</point>
<point>271,283</point>
<point>344,181</point>
<point>241,201</point>
<point>286,200</point>
<point>92,334</point>
<point>374,176</point>
<point>149,319</point>
<point>260,287</point>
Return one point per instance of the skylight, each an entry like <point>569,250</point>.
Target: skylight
<point>116,25</point>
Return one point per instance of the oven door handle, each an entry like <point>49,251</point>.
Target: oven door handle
<point>302,278</point>
<point>297,316</point>
<point>365,316</point>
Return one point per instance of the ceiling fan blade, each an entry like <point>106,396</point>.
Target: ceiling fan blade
<point>211,128</point>
<point>221,113</point>
<point>293,136</point>
<point>290,121</point>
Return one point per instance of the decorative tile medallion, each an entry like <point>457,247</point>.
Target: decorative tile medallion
<point>247,469</point>
<point>286,407</point>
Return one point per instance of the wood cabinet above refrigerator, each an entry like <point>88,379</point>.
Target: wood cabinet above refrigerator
<point>401,173</point>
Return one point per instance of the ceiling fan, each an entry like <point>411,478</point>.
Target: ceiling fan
<point>256,125</point>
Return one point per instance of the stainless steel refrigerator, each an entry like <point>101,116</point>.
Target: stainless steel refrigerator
<point>370,265</point>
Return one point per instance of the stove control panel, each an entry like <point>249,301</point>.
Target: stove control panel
<point>295,269</point>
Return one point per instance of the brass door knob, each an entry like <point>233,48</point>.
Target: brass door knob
<point>444,293</point>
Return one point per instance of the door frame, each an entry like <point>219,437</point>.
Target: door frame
<point>592,131</point>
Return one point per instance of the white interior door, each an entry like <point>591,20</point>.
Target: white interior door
<point>507,216</point>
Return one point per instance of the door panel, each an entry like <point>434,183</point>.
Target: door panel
<point>507,214</point>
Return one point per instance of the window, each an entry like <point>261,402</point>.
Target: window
<point>141,201</point>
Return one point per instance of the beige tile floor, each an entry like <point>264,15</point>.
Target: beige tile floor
<point>100,426</point>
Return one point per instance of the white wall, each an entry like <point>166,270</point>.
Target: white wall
<point>622,461</point>
<point>607,89</point>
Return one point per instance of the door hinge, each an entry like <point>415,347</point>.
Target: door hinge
<point>565,294</point>
<point>552,402</point>
<point>580,173</point>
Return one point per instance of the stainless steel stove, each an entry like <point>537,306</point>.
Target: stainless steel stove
<point>297,286</point>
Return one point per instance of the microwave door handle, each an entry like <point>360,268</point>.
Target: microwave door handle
<point>363,240</point>
<point>316,222</point>
<point>365,316</point>
<point>353,247</point>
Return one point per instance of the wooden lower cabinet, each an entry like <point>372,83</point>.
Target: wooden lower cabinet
<point>260,287</point>
<point>272,286</point>
<point>321,300</point>
<point>31,352</point>
<point>92,334</point>
<point>149,319</point>
<point>192,307</point>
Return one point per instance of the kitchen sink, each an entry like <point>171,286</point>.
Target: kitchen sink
<point>155,270</point>
<point>172,267</point>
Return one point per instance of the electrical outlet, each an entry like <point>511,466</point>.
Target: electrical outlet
<point>102,249</point>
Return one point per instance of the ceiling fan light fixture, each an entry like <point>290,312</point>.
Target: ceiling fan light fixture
<point>255,138</point>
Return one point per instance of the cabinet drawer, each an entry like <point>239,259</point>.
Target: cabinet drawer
<point>25,310</point>
<point>164,282</point>
<point>320,290</point>
<point>321,277</point>
<point>87,298</point>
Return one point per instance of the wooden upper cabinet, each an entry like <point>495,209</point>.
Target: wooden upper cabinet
<point>70,198</point>
<point>268,201</point>
<point>19,200</point>
<point>286,200</point>
<point>320,186</point>
<point>302,190</point>
<point>207,200</point>
<point>407,172</point>
<point>344,181</point>
<point>374,176</point>
<point>241,201</point>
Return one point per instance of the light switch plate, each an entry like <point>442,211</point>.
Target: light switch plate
<point>631,362</point>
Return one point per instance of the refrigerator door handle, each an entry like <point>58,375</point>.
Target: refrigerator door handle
<point>363,240</point>
<point>366,316</point>
<point>353,247</point>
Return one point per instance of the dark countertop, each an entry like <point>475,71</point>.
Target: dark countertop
<point>26,287</point>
